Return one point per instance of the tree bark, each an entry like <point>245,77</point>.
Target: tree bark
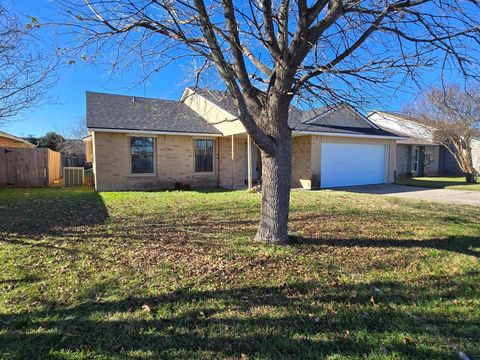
<point>276,179</point>
<point>470,178</point>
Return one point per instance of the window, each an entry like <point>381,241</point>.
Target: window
<point>203,155</point>
<point>141,150</point>
<point>415,159</point>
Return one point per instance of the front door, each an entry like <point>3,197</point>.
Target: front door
<point>256,164</point>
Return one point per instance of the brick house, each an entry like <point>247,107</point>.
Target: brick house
<point>139,143</point>
<point>417,153</point>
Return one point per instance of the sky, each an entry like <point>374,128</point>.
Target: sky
<point>66,104</point>
<point>66,100</point>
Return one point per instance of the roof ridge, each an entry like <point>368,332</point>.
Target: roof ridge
<point>132,96</point>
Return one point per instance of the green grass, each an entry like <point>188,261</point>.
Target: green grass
<point>453,182</point>
<point>152,275</point>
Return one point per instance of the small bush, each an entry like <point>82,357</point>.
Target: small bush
<point>181,186</point>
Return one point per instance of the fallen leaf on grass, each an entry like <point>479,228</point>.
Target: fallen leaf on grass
<point>408,340</point>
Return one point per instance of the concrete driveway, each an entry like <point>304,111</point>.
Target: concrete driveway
<point>464,197</point>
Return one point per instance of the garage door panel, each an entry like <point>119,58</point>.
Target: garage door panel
<point>352,164</point>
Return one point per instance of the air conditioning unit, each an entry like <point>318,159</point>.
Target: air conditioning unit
<point>73,176</point>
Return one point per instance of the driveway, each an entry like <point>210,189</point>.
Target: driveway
<point>463,197</point>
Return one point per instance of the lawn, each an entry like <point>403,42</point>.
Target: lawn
<point>453,182</point>
<point>152,275</point>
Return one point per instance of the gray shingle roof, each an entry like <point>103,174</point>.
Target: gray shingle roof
<point>121,112</point>
<point>108,111</point>
<point>314,120</point>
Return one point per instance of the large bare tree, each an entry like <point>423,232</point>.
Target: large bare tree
<point>270,52</point>
<point>26,73</point>
<point>453,117</point>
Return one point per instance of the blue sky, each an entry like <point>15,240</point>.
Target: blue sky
<point>67,104</point>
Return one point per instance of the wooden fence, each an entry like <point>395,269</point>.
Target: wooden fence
<point>29,167</point>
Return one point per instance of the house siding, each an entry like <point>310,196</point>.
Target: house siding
<point>404,160</point>
<point>225,122</point>
<point>432,158</point>
<point>476,154</point>
<point>301,162</point>
<point>88,150</point>
<point>7,142</point>
<point>450,166</point>
<point>342,116</point>
<point>240,145</point>
<point>174,156</point>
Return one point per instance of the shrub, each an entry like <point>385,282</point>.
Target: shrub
<point>181,186</point>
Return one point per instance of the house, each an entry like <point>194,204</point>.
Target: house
<point>8,140</point>
<point>143,143</point>
<point>417,153</point>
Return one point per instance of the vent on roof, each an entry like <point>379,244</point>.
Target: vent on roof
<point>73,176</point>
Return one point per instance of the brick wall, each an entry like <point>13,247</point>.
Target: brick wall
<point>432,157</point>
<point>403,162</point>
<point>226,162</point>
<point>301,162</point>
<point>174,157</point>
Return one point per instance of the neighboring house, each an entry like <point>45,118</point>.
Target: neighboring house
<point>143,143</point>
<point>7,140</point>
<point>87,142</point>
<point>417,153</point>
<point>476,153</point>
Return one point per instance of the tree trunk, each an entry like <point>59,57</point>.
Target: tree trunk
<point>470,178</point>
<point>276,180</point>
<point>276,177</point>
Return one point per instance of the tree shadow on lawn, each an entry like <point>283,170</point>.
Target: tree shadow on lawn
<point>50,211</point>
<point>466,245</point>
<point>298,320</point>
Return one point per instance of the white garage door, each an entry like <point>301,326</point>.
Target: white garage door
<point>352,164</point>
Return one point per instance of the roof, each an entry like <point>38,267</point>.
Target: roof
<point>322,120</point>
<point>121,112</point>
<point>401,125</point>
<point>127,113</point>
<point>316,120</point>
<point>12,137</point>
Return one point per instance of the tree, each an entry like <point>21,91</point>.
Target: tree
<point>51,140</point>
<point>453,116</point>
<point>25,73</point>
<point>268,53</point>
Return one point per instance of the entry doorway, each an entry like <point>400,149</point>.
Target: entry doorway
<point>256,164</point>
